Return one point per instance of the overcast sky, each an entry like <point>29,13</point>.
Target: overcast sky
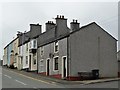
<point>16,16</point>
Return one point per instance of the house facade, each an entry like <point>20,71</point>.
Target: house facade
<point>92,48</point>
<point>63,52</point>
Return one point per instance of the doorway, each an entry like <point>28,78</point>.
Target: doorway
<point>48,67</point>
<point>30,62</point>
<point>64,67</point>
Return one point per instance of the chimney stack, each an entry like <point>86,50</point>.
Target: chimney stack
<point>49,25</point>
<point>61,21</point>
<point>35,30</point>
<point>74,25</point>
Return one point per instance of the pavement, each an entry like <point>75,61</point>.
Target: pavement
<point>34,75</point>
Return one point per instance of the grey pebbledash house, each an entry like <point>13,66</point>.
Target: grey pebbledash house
<point>64,52</point>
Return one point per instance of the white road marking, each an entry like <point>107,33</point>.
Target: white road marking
<point>7,76</point>
<point>31,77</point>
<point>35,87</point>
<point>20,82</point>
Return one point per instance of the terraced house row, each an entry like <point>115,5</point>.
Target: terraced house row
<point>66,53</point>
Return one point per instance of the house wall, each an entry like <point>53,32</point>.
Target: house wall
<point>11,53</point>
<point>25,54</point>
<point>20,62</point>
<point>5,57</point>
<point>49,53</point>
<point>15,49</point>
<point>9,49</point>
<point>33,46</point>
<point>92,48</point>
<point>33,67</point>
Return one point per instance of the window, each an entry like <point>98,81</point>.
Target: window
<point>41,51</point>
<point>41,65</point>
<point>15,60</point>
<point>30,44</point>
<point>19,50</point>
<point>34,59</point>
<point>56,46</point>
<point>56,63</point>
<point>34,43</point>
<point>26,47</point>
<point>26,59</point>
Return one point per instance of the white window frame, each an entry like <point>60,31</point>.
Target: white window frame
<point>54,64</point>
<point>34,44</point>
<point>55,45</point>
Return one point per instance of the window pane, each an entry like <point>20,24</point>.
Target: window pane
<point>56,64</point>
<point>56,46</point>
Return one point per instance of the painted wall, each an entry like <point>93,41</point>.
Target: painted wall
<point>20,61</point>
<point>92,48</point>
<point>9,49</point>
<point>15,49</point>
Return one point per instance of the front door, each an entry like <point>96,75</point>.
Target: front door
<point>30,62</point>
<point>64,71</point>
<point>48,66</point>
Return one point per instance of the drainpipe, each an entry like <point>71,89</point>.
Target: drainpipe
<point>68,56</point>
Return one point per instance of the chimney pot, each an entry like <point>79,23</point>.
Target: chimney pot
<point>60,16</point>
<point>57,16</point>
<point>73,20</point>
<point>63,17</point>
<point>76,21</point>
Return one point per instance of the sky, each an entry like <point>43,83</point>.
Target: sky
<point>16,16</point>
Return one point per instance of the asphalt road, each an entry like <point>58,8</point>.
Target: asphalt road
<point>11,79</point>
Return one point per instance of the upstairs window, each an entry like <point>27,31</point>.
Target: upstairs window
<point>34,43</point>
<point>26,47</point>
<point>56,46</point>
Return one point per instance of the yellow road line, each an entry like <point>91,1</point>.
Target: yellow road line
<point>32,78</point>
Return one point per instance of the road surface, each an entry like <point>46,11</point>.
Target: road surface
<point>11,79</point>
